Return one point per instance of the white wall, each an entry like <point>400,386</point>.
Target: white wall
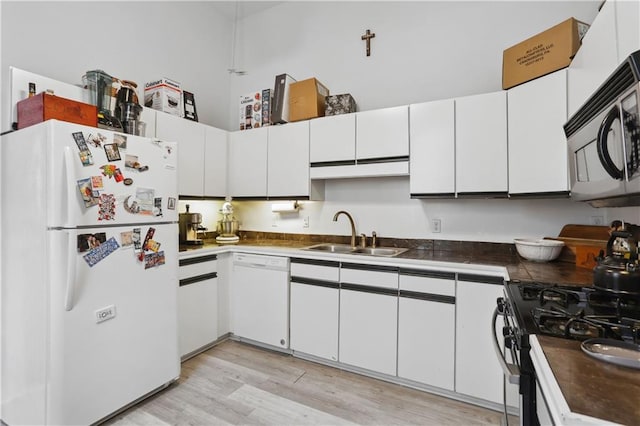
<point>423,50</point>
<point>141,41</point>
<point>383,205</point>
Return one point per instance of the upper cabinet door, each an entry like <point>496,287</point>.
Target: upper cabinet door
<point>481,144</point>
<point>332,139</point>
<point>628,30</point>
<point>537,144</point>
<point>288,160</point>
<point>432,142</point>
<point>190,137</point>
<point>596,59</point>
<point>382,133</point>
<point>215,162</point>
<point>248,163</point>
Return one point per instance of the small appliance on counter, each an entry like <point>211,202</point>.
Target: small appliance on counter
<point>190,225</point>
<point>227,226</point>
<point>618,270</point>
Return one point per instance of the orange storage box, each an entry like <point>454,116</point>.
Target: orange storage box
<point>43,107</point>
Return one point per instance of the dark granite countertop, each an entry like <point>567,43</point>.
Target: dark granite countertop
<point>593,387</point>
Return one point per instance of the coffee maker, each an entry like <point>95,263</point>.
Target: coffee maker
<point>190,225</point>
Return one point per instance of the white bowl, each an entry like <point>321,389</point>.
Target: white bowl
<point>538,250</point>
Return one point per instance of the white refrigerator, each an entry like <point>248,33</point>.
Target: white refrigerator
<point>89,246</point>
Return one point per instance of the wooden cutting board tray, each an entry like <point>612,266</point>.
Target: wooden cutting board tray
<point>582,243</point>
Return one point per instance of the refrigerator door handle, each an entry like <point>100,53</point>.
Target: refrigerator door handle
<point>71,271</point>
<point>71,183</point>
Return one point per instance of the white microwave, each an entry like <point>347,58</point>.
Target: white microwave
<point>604,141</point>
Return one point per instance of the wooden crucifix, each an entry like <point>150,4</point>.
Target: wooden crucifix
<point>367,37</point>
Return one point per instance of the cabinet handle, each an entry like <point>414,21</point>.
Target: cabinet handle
<point>198,278</point>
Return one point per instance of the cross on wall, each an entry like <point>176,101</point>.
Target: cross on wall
<point>367,37</point>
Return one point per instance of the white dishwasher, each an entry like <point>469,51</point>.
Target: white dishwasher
<point>260,299</point>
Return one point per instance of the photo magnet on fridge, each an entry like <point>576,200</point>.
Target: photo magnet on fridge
<point>126,238</point>
<point>101,251</point>
<point>86,191</point>
<point>153,259</point>
<point>120,141</point>
<point>112,151</point>
<point>87,242</point>
<point>86,158</point>
<point>79,138</point>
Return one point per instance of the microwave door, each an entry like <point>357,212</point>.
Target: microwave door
<point>631,129</point>
<point>594,158</point>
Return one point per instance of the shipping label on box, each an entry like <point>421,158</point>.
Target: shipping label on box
<point>164,95</point>
<point>251,111</point>
<point>542,54</point>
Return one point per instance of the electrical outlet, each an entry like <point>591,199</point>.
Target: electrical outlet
<point>105,314</point>
<point>436,225</point>
<point>597,220</point>
<point>305,222</point>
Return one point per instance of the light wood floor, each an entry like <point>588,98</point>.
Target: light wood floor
<point>238,384</point>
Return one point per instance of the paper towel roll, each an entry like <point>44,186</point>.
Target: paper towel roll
<point>287,207</point>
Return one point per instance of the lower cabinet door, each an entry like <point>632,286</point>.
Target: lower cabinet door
<point>314,320</point>
<point>478,373</point>
<point>368,330</point>
<point>426,342</point>
<point>197,315</point>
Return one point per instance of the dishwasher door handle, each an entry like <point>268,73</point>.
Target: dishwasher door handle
<point>511,371</point>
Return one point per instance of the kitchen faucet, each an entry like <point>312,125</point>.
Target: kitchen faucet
<point>353,226</point>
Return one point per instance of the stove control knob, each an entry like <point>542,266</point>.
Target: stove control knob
<point>507,331</point>
<point>501,305</point>
<point>508,343</point>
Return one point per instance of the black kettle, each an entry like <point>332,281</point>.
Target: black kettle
<point>619,270</point>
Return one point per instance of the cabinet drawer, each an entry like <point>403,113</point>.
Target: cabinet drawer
<point>318,270</point>
<point>443,284</point>
<point>195,266</point>
<point>369,275</point>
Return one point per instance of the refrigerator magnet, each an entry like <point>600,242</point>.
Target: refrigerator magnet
<point>88,242</point>
<point>127,181</point>
<point>131,161</point>
<point>107,207</point>
<point>112,151</point>
<point>80,141</point>
<point>96,140</point>
<point>117,175</point>
<point>126,238</point>
<point>132,208</point>
<point>86,158</point>
<point>100,252</point>
<point>137,241</point>
<point>171,203</point>
<point>84,186</point>
<point>96,183</point>
<point>157,206</point>
<point>153,245</point>
<point>120,141</point>
<point>153,259</point>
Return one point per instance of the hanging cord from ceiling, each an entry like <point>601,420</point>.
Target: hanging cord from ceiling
<point>233,69</point>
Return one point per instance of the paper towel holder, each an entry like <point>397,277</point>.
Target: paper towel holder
<point>288,207</point>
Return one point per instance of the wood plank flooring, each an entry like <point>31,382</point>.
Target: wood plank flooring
<point>238,384</point>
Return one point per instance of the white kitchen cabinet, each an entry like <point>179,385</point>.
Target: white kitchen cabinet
<point>481,145</point>
<point>197,304</point>
<point>537,144</point>
<point>191,139</point>
<point>382,134</point>
<point>314,307</point>
<point>247,167</point>
<point>627,27</point>
<point>369,317</point>
<point>426,327</point>
<point>215,162</point>
<point>596,59</point>
<point>478,373</point>
<point>288,163</point>
<point>432,143</point>
<point>332,139</point>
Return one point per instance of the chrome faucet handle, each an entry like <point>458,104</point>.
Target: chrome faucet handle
<point>363,240</point>
<point>373,239</point>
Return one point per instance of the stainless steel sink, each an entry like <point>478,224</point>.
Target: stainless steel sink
<point>331,248</point>
<point>380,251</point>
<point>347,249</point>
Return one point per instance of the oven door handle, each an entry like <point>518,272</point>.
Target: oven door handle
<point>511,371</point>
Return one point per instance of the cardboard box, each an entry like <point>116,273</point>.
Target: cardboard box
<point>339,104</point>
<point>164,95</point>
<point>280,104</point>
<point>542,54</point>
<point>307,99</point>
<point>43,107</point>
<point>251,110</point>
